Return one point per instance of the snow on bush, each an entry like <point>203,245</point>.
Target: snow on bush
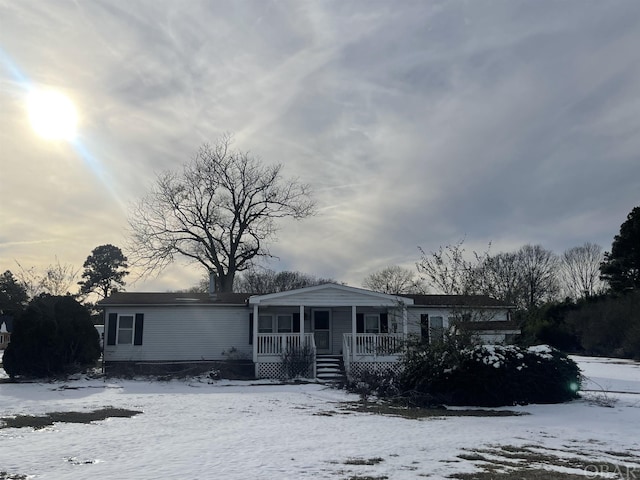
<point>489,375</point>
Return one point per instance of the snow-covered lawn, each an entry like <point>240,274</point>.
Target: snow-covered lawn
<point>235,430</point>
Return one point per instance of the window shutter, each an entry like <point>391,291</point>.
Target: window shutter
<point>296,322</point>
<point>424,327</point>
<point>384,323</point>
<point>251,328</point>
<point>111,328</point>
<point>359,322</point>
<point>137,339</point>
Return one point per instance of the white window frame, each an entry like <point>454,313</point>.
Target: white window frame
<point>263,329</point>
<point>119,328</point>
<point>368,316</point>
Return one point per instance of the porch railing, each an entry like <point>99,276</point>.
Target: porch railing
<point>372,344</point>
<point>278,343</point>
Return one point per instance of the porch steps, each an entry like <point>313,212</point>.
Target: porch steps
<point>329,368</point>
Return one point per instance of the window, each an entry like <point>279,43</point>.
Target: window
<point>372,324</point>
<point>265,324</point>
<point>436,329</point>
<point>285,323</point>
<point>125,329</point>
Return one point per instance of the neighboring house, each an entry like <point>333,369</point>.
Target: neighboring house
<point>6,324</point>
<point>343,327</point>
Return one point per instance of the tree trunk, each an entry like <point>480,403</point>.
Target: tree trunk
<point>225,282</point>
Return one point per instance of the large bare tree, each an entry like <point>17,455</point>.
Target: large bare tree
<point>580,270</point>
<point>220,211</point>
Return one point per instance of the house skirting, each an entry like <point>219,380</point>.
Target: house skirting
<point>230,369</point>
<point>278,370</point>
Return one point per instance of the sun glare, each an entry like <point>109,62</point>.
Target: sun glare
<point>53,115</point>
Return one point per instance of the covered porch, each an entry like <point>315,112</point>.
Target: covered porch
<point>348,325</point>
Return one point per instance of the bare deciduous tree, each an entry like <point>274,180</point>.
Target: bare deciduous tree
<point>448,271</point>
<point>56,279</point>
<point>538,268</point>
<point>263,281</point>
<point>219,212</point>
<point>580,270</point>
<point>502,277</point>
<point>395,280</point>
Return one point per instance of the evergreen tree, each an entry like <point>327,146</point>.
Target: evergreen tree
<point>53,336</point>
<point>104,271</point>
<point>13,296</point>
<point>621,266</point>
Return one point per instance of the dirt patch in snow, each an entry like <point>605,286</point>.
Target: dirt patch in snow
<point>48,419</point>
<point>12,476</point>
<point>417,413</point>
<point>534,462</point>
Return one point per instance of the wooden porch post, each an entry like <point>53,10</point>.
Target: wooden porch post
<point>405,328</point>
<point>301,326</point>
<point>354,330</point>
<point>255,336</point>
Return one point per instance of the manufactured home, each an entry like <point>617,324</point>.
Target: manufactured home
<point>343,329</point>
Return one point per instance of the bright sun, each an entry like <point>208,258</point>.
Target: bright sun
<point>53,116</point>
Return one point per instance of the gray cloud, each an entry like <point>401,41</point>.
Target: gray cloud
<point>417,123</point>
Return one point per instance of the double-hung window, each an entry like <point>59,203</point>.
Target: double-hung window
<point>436,329</point>
<point>285,323</point>
<point>125,330</point>
<point>372,323</point>
<point>265,324</point>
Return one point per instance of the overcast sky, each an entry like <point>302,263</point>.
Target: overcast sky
<point>417,123</point>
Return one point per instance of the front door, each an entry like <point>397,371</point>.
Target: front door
<point>322,330</point>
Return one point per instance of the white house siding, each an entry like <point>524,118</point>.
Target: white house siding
<point>176,333</point>
<point>491,338</point>
<point>486,314</point>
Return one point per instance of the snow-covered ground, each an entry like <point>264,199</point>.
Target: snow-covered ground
<point>238,430</point>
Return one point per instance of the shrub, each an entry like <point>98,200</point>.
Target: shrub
<point>53,336</point>
<point>297,362</point>
<point>489,375</point>
<point>369,382</point>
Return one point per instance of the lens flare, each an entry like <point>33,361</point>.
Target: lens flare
<point>53,116</point>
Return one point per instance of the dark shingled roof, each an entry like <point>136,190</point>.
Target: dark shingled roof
<point>132,298</point>
<point>457,301</point>
<point>156,298</point>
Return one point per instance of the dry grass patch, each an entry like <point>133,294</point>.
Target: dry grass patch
<point>48,419</point>
<point>363,461</point>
